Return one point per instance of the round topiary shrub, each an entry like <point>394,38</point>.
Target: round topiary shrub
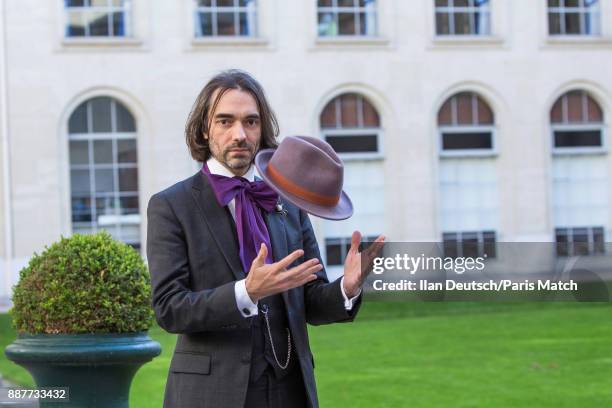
<point>83,284</point>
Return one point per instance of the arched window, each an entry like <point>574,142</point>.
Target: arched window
<point>577,123</point>
<point>351,125</point>
<point>469,218</point>
<point>580,184</point>
<point>466,126</point>
<point>104,170</point>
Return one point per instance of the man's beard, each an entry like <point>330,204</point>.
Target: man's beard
<point>241,162</point>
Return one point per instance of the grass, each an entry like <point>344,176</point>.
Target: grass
<point>437,354</point>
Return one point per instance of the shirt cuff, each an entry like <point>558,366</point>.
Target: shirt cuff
<point>245,305</point>
<point>348,303</point>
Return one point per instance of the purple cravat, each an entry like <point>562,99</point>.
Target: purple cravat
<point>251,198</point>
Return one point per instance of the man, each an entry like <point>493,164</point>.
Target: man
<point>240,313</point>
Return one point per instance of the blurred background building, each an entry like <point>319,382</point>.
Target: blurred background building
<point>467,121</point>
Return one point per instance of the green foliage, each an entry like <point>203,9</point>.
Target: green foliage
<point>83,284</point>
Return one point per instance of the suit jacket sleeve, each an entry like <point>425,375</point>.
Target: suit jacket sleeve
<point>323,300</point>
<point>177,308</point>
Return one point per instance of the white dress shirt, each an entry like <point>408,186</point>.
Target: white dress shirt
<point>243,300</point>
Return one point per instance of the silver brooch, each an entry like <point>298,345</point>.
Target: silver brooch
<point>280,209</point>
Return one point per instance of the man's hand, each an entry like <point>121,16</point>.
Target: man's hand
<point>265,280</point>
<point>355,271</point>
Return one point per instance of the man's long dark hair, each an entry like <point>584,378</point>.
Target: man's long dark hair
<point>198,123</point>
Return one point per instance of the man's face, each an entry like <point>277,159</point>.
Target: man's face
<point>235,130</point>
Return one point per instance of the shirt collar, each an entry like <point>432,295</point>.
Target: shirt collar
<point>217,168</point>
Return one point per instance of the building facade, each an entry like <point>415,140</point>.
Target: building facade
<point>467,121</point>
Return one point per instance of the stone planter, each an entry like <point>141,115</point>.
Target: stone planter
<point>97,368</point>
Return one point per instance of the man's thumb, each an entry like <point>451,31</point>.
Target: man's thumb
<point>261,256</point>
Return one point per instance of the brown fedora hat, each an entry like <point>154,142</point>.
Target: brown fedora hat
<point>307,172</point>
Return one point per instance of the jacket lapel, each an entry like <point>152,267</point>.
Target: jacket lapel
<point>219,223</point>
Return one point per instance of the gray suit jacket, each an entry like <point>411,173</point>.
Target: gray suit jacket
<point>193,260</point>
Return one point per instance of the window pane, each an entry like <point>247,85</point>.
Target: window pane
<point>553,3</point>
<point>598,240</point>
<point>327,25</point>
<point>79,182</point>
<point>325,3</point>
<point>461,3</point>
<point>328,116</point>
<point>74,3</point>
<point>482,25</point>
<point>79,152</point>
<point>205,28</point>
<point>354,144</point>
<point>125,120</point>
<point>489,244</point>
<point>580,237</point>
<point>556,113</point>
<point>562,242</point>
<point>474,140</point>
<point>98,24</point>
<point>442,3</point>
<point>464,108</point>
<point>244,24</point>
<point>370,116</point>
<point>442,23</point>
<point>126,151</point>
<point>225,24</point>
<point>593,111</point>
<point>103,151</point>
<point>128,179</point>
<point>572,23</point>
<point>101,114</point>
<point>485,116</point>
<point>445,116</point>
<point>76,26</point>
<point>554,23</point>
<point>204,3</point>
<point>225,3</point>
<point>346,3</point>
<point>578,138</point>
<point>572,3</point>
<point>105,205</point>
<point>346,23</point>
<point>78,120</point>
<point>129,205</point>
<point>98,3</point>
<point>81,209</point>
<point>575,112</point>
<point>348,108</point>
<point>462,24</point>
<point>450,245</point>
<point>333,251</point>
<point>469,244</point>
<point>104,180</point>
<point>118,24</point>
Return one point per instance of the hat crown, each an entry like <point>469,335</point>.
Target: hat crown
<point>296,158</point>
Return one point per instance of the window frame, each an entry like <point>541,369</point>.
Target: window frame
<point>126,9</point>
<point>569,233</point>
<point>94,225</point>
<point>471,9</point>
<point>356,9</point>
<point>459,129</point>
<point>582,12</point>
<point>481,243</point>
<point>236,10</point>
<point>345,244</point>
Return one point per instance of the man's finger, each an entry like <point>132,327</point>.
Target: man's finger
<point>289,259</point>
<point>260,259</point>
<point>355,241</point>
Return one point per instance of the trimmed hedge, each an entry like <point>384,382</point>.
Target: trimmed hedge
<point>83,284</point>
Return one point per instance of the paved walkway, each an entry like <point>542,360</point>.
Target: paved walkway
<point>6,402</point>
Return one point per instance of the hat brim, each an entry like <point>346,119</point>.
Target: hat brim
<point>341,211</point>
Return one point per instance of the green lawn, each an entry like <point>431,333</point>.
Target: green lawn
<point>438,354</point>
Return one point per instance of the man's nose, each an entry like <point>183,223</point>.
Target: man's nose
<point>238,134</point>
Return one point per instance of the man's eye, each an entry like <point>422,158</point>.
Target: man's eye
<point>252,122</point>
<point>223,122</point>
